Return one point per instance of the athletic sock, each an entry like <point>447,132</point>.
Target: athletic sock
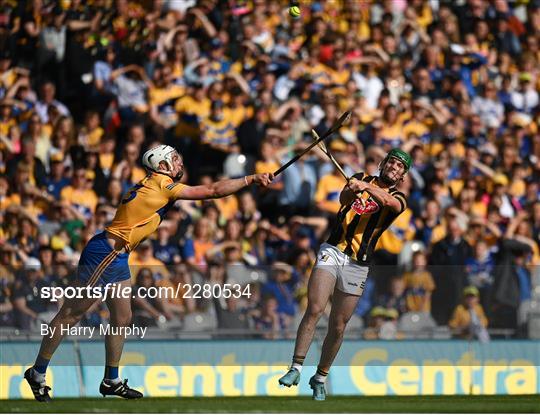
<point>321,375</point>
<point>38,377</point>
<point>298,362</point>
<point>41,364</point>
<point>111,374</point>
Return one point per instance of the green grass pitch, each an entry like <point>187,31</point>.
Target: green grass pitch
<point>423,404</point>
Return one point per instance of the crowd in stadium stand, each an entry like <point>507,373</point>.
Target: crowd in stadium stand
<point>236,86</point>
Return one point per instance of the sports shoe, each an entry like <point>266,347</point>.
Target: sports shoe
<point>40,390</point>
<point>291,378</point>
<point>319,391</point>
<point>119,389</point>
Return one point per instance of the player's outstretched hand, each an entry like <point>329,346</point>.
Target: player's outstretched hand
<point>263,179</point>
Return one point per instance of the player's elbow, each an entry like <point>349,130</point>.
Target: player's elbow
<point>393,204</point>
<point>213,191</point>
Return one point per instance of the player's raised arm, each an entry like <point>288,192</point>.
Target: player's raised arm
<point>380,195</point>
<point>347,195</point>
<point>222,188</point>
<point>166,160</point>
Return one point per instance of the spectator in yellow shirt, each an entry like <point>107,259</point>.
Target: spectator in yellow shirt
<point>143,257</point>
<point>79,195</point>
<point>470,315</point>
<point>218,137</point>
<point>163,94</point>
<point>328,189</point>
<point>419,285</point>
<point>91,133</point>
<point>191,109</point>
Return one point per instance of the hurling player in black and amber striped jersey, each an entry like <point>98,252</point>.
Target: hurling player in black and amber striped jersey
<point>360,225</point>
<point>369,205</point>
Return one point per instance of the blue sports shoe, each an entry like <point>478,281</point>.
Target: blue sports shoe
<point>319,391</point>
<point>291,378</point>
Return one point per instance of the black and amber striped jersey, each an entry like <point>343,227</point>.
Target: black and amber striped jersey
<point>359,226</point>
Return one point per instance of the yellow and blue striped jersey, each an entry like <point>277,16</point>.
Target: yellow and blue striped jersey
<point>143,207</point>
<point>220,132</point>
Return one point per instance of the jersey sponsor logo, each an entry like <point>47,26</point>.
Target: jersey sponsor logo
<point>171,186</point>
<point>370,207</point>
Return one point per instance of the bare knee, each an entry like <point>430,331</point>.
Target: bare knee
<point>314,312</point>
<point>122,320</point>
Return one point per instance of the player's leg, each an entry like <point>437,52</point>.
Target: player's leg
<point>71,312</point>
<point>343,306</point>
<point>120,317</point>
<point>349,287</point>
<point>320,286</point>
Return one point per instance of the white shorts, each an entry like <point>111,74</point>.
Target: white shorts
<point>350,276</point>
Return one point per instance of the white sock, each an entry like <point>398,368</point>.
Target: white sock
<point>297,366</point>
<point>38,377</point>
<point>113,381</point>
<point>320,377</point>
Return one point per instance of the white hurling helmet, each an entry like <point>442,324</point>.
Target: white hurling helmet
<point>158,154</point>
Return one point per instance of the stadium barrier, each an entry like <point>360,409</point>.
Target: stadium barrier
<point>252,367</point>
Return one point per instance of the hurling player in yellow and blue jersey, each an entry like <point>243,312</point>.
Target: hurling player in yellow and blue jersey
<point>104,260</point>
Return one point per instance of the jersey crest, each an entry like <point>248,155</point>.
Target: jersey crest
<point>370,207</point>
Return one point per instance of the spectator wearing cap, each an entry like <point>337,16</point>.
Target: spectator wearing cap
<point>525,98</point>
<point>377,317</point>
<point>469,319</point>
